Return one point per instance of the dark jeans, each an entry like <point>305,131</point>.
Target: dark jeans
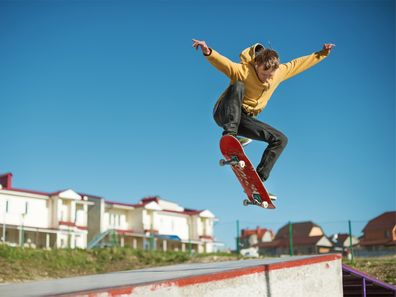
<point>229,115</point>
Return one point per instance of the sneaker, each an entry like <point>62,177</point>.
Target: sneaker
<point>229,133</point>
<point>244,140</point>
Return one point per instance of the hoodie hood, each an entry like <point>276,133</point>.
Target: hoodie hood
<point>248,55</point>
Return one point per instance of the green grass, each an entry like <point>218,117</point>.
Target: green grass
<point>382,268</point>
<point>22,264</point>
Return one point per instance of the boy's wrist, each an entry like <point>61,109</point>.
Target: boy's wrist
<point>208,53</point>
<point>324,52</point>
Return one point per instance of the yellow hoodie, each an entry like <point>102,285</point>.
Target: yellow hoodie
<point>258,93</point>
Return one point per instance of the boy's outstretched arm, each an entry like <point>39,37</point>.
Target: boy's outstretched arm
<point>232,70</point>
<point>301,64</point>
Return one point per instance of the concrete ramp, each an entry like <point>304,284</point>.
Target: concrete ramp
<point>292,276</point>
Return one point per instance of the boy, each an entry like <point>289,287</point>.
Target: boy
<point>253,81</point>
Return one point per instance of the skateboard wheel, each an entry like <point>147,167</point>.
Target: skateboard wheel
<point>222,162</point>
<point>246,202</point>
<point>241,164</point>
<point>264,204</point>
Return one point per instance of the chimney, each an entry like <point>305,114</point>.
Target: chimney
<point>6,180</point>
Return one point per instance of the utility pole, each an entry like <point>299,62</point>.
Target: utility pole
<point>350,240</point>
<point>237,238</point>
<point>291,238</point>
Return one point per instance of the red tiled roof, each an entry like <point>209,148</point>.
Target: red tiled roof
<point>6,180</point>
<point>384,221</point>
<point>301,229</point>
<point>49,194</point>
<point>297,241</point>
<point>150,199</point>
<point>258,231</point>
<point>341,237</point>
<point>29,191</point>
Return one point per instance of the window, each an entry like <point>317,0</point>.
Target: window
<point>114,219</point>
<point>26,207</point>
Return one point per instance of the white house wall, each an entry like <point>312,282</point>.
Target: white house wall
<point>81,214</point>
<point>173,224</point>
<point>316,231</point>
<point>324,241</point>
<point>116,219</point>
<point>81,241</point>
<point>208,227</point>
<point>200,227</point>
<point>170,205</point>
<point>204,227</point>
<point>194,227</point>
<point>146,219</point>
<point>267,237</point>
<point>136,220</point>
<point>37,211</point>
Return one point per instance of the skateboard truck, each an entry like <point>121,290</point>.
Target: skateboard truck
<point>233,162</point>
<point>257,201</point>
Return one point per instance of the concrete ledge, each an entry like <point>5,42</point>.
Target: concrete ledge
<point>292,276</point>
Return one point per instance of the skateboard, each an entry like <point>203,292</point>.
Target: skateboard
<point>235,156</point>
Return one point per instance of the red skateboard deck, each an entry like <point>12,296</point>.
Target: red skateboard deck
<point>235,156</point>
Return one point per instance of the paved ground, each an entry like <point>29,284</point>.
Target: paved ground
<point>132,277</point>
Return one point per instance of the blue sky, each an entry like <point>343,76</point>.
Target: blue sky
<point>109,98</point>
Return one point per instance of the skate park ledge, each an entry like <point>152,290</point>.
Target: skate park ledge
<point>319,275</point>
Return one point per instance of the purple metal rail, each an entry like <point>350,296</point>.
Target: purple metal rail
<point>357,283</point>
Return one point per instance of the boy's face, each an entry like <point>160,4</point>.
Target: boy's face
<point>264,74</point>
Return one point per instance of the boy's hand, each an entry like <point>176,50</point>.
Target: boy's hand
<point>328,47</point>
<point>202,44</point>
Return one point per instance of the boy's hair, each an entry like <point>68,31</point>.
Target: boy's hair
<point>267,57</point>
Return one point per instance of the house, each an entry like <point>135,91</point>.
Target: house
<point>342,243</point>
<point>40,219</point>
<point>250,237</point>
<point>75,220</point>
<point>110,223</point>
<point>380,233</point>
<point>306,238</point>
<point>153,223</point>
